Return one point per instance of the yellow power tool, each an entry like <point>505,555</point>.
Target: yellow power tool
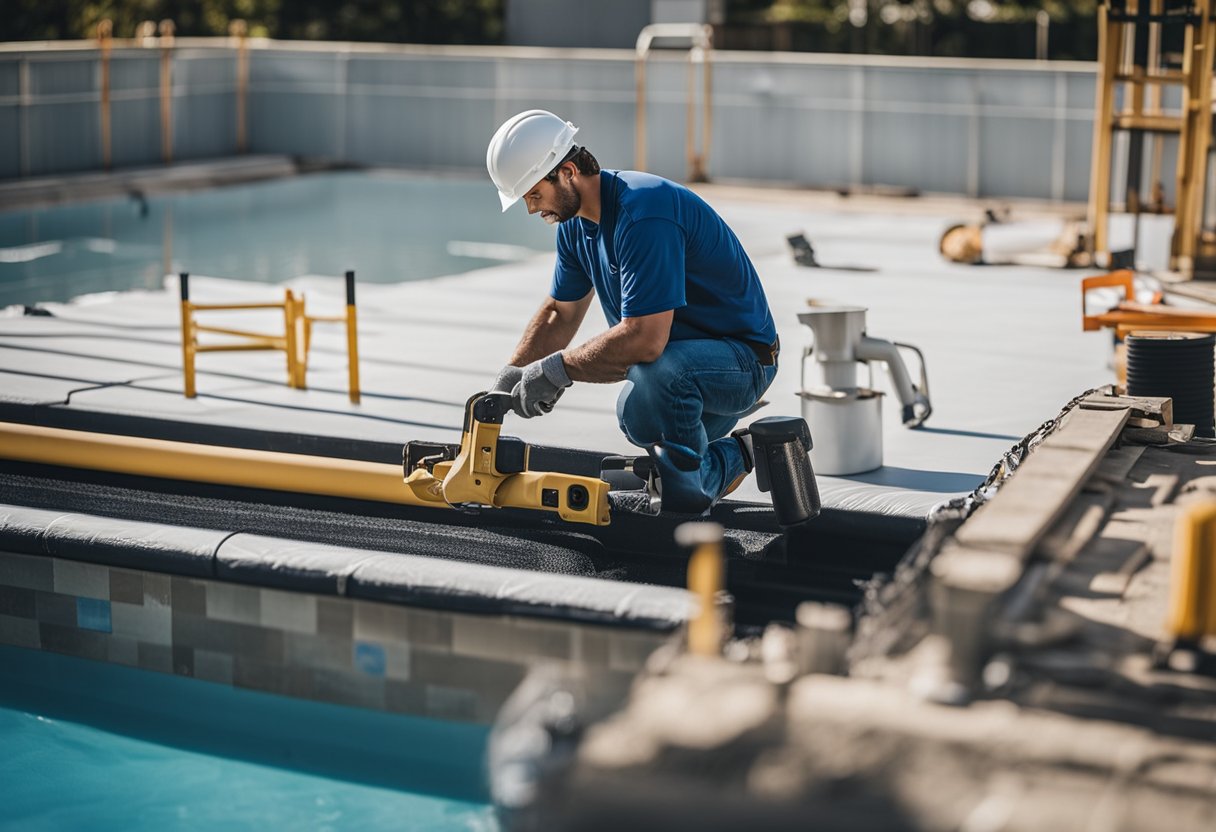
<point>487,469</point>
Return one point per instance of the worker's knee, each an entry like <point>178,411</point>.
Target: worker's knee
<point>631,415</point>
<point>648,404</point>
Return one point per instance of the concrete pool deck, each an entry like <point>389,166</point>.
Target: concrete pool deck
<point>1004,347</point>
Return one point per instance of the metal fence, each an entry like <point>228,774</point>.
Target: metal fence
<point>980,128</point>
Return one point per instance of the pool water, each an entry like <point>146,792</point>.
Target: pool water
<point>88,745</point>
<point>389,227</point>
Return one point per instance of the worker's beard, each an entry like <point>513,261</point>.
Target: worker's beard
<point>568,202</point>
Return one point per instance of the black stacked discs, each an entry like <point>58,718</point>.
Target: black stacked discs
<point>1178,365</point>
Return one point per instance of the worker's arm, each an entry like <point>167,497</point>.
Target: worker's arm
<point>552,328</point>
<point>609,355</point>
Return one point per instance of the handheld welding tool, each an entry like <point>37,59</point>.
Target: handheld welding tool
<point>487,469</point>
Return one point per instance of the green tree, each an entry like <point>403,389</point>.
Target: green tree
<point>417,21</point>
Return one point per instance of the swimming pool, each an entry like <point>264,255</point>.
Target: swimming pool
<point>97,746</point>
<point>387,226</point>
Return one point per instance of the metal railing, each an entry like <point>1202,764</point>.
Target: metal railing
<point>700,36</point>
<point>984,128</point>
<point>162,36</point>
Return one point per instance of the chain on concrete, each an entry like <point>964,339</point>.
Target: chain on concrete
<point>894,613</point>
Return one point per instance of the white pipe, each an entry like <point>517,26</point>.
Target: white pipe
<point>915,405</point>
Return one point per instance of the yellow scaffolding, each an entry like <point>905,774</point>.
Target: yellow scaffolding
<point>1131,60</point>
<point>294,342</point>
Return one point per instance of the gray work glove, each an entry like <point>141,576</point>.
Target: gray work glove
<point>507,378</point>
<point>540,386</point>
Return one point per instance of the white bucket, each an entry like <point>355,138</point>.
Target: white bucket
<point>846,430</point>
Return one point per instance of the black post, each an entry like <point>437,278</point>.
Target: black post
<point>183,283</point>
<point>350,288</point>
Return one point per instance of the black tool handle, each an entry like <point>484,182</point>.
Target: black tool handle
<point>183,284</point>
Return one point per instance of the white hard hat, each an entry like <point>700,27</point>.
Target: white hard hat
<point>523,151</point>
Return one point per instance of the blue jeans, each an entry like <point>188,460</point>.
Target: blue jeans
<point>693,396</point>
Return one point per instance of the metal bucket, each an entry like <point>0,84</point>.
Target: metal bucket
<point>846,428</point>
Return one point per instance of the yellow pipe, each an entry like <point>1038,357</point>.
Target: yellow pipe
<point>1192,609</point>
<point>160,458</point>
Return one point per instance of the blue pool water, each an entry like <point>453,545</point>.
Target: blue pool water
<point>88,745</point>
<point>388,227</point>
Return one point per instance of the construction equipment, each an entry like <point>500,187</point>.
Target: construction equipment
<point>1131,34</point>
<point>487,469</point>
<point>1128,316</point>
<point>483,470</point>
<point>847,416</point>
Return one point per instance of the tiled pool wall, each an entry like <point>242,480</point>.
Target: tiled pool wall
<point>410,660</point>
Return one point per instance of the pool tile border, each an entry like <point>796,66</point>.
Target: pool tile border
<point>372,654</point>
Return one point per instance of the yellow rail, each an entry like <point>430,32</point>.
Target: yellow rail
<point>164,459</point>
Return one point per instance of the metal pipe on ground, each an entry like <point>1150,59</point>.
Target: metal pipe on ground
<point>324,476</point>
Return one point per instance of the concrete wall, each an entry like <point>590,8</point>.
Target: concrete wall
<point>575,24</point>
<point>981,128</point>
<point>595,25</point>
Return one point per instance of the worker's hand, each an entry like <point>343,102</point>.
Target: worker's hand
<point>540,386</point>
<point>508,377</point>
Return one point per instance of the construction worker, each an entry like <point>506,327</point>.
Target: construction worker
<point>690,330</point>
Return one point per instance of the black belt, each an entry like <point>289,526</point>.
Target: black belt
<point>766,354</point>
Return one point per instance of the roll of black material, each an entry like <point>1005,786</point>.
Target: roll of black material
<point>1179,365</point>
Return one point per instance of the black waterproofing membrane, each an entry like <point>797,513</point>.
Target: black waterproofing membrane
<point>501,560</point>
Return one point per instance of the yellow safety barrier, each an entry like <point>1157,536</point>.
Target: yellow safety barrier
<point>706,578</point>
<point>294,342</point>
<point>1192,609</point>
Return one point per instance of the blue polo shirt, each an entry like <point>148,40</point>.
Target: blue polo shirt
<point>659,246</point>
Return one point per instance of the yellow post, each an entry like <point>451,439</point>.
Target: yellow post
<point>289,334</point>
<point>188,335</point>
<point>352,339</point>
<point>105,30</point>
<point>706,578</point>
<point>1110,50</point>
<point>166,90</point>
<point>240,30</point>
<point>1192,609</point>
<point>1194,139</point>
